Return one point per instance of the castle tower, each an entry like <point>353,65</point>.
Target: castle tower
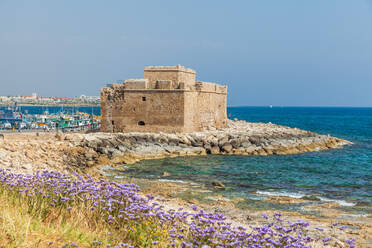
<point>167,99</point>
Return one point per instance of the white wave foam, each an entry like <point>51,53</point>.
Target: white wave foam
<point>171,181</point>
<point>341,202</point>
<point>345,143</point>
<point>217,199</point>
<point>256,198</point>
<point>287,194</point>
<point>360,215</point>
<point>300,195</point>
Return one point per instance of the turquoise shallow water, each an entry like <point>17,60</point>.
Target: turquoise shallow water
<point>342,175</point>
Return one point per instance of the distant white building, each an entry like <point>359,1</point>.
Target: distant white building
<point>4,99</point>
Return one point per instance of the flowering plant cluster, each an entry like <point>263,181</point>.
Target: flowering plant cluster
<point>133,220</point>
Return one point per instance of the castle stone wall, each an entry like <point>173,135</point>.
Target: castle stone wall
<point>176,74</point>
<point>161,102</point>
<point>205,110</point>
<point>136,84</point>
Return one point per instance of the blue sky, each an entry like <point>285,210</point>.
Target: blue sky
<point>285,53</point>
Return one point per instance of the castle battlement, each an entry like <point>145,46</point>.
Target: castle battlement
<point>136,83</point>
<point>167,99</point>
<point>210,87</point>
<point>178,68</point>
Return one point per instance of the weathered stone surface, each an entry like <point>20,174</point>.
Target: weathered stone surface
<point>235,143</point>
<point>215,150</point>
<point>168,99</point>
<point>227,147</point>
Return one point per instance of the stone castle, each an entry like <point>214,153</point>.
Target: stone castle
<point>168,99</point>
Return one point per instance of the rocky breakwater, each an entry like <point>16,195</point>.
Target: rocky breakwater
<point>240,138</point>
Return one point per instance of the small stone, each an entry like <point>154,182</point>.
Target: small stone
<point>59,137</point>
<point>218,184</point>
<point>166,174</point>
<point>27,166</point>
<point>90,163</point>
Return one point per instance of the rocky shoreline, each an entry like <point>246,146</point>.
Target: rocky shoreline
<point>329,221</point>
<point>28,153</point>
<point>65,152</point>
<point>240,138</point>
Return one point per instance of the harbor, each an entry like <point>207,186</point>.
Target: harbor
<point>46,119</point>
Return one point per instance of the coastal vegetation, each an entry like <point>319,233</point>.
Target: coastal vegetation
<point>50,209</point>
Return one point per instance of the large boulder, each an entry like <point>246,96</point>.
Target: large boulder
<point>246,144</point>
<point>184,140</point>
<point>215,150</point>
<point>222,141</point>
<point>208,148</point>
<point>227,147</point>
<point>254,140</point>
<point>235,143</point>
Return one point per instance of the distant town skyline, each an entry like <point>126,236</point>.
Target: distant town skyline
<point>280,53</point>
<point>35,99</point>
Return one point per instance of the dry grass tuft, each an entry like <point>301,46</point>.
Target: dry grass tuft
<point>21,229</point>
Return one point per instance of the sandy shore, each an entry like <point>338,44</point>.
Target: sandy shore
<point>28,153</point>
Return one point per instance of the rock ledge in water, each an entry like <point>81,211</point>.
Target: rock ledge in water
<point>240,138</point>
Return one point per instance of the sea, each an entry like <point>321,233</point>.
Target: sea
<point>337,175</point>
<point>342,175</point>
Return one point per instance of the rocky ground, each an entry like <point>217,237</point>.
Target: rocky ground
<point>32,152</point>
<point>240,138</point>
<point>330,220</point>
<point>65,153</point>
